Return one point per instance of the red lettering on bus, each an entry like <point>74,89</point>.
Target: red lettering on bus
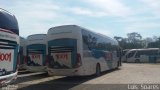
<point>35,56</point>
<point>62,56</point>
<point>5,57</point>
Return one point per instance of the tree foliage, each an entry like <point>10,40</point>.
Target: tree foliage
<point>134,40</point>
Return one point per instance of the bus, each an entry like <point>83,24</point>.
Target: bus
<point>36,53</point>
<point>22,53</point>
<point>151,55</point>
<point>124,52</point>
<point>76,51</point>
<point>9,46</point>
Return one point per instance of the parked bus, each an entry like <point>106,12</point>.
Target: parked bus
<point>36,52</point>
<point>22,53</point>
<point>124,52</point>
<point>76,51</point>
<point>9,46</point>
<point>143,55</point>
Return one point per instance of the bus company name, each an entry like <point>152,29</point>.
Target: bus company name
<point>62,56</point>
<point>35,56</point>
<point>5,57</point>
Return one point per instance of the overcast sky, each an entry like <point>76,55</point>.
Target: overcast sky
<point>109,17</point>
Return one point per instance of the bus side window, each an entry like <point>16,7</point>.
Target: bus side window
<point>137,54</point>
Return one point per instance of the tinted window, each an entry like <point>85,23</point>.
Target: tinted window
<point>146,52</point>
<point>95,41</point>
<point>8,21</point>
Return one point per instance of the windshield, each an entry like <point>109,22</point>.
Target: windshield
<point>131,54</point>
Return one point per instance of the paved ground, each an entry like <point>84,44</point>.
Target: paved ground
<point>131,74</point>
<point>111,80</point>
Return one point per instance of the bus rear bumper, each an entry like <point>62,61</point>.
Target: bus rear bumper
<point>65,72</point>
<point>36,68</point>
<point>8,79</point>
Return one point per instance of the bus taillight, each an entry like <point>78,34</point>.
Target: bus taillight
<point>79,62</point>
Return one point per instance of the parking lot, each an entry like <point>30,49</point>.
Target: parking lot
<point>129,73</point>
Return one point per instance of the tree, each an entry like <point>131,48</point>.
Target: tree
<point>134,37</point>
<point>133,41</point>
<point>147,41</point>
<point>118,38</point>
<point>155,44</point>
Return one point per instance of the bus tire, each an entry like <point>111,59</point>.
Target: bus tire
<point>98,69</point>
<point>137,61</point>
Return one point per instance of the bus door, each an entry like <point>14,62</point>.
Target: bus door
<point>131,56</point>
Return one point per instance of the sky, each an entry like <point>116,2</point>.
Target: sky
<point>109,17</point>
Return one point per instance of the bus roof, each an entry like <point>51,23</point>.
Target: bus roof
<point>8,21</point>
<point>80,28</point>
<point>36,39</point>
<point>33,35</point>
<point>144,49</point>
<point>36,36</point>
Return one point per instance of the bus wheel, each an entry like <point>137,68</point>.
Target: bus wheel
<point>137,61</point>
<point>98,70</point>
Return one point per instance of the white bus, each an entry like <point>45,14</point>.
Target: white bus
<point>76,51</point>
<point>9,46</point>
<point>22,53</point>
<point>36,53</point>
<point>143,55</point>
<point>124,52</point>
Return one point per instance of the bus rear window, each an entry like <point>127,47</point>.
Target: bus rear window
<point>9,22</point>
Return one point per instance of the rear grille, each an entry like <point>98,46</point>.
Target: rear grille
<point>6,44</point>
<point>60,49</point>
<point>36,51</point>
